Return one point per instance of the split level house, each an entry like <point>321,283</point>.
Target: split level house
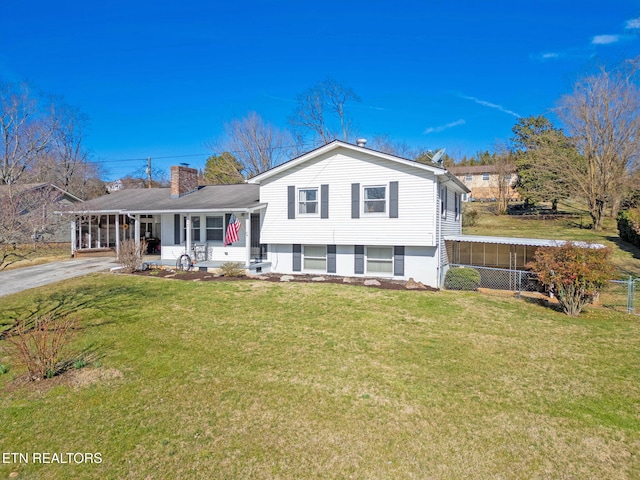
<point>340,209</point>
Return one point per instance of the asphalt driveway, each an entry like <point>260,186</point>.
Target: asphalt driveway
<point>13,281</point>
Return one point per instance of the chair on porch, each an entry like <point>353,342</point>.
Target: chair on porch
<point>200,252</point>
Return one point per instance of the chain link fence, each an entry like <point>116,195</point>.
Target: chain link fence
<point>621,295</point>
<point>468,277</point>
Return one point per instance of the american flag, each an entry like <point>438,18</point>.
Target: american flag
<point>232,230</point>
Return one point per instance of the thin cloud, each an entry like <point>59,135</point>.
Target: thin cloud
<point>543,57</point>
<point>442,128</point>
<point>605,39</point>
<point>633,24</point>
<point>484,103</point>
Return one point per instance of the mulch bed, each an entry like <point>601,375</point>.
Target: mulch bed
<point>385,284</point>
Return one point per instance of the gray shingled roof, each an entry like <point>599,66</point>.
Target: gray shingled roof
<point>158,200</point>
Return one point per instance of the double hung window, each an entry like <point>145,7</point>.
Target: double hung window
<point>308,201</point>
<point>315,258</point>
<point>380,260</point>
<point>375,199</point>
<point>215,229</point>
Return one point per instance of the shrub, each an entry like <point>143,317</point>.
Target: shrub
<point>469,217</point>
<point>3,368</point>
<point>39,344</point>
<point>575,273</point>
<point>130,255</point>
<point>462,278</point>
<point>233,269</point>
<point>629,226</point>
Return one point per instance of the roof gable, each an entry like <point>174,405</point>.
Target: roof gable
<point>336,145</point>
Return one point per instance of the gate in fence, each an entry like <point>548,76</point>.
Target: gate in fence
<point>501,279</point>
<point>622,294</point>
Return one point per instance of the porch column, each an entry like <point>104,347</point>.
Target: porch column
<point>108,230</point>
<point>117,234</point>
<point>74,228</point>
<point>247,239</point>
<point>99,232</point>
<point>187,234</point>
<point>90,239</point>
<point>136,228</point>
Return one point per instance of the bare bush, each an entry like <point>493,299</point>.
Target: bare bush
<point>39,345</point>
<point>130,255</point>
<point>233,269</point>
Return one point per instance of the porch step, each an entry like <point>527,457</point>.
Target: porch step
<point>95,252</point>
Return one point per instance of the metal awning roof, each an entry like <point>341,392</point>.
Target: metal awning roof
<point>529,242</point>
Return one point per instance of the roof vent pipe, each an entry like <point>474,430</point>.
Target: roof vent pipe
<point>361,142</point>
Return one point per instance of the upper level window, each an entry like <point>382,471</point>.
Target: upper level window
<point>308,201</point>
<point>485,177</point>
<point>468,177</point>
<point>443,201</point>
<point>375,199</point>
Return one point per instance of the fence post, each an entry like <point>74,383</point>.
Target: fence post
<point>630,285</point>
<point>519,283</point>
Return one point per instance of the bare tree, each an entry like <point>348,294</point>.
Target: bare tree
<point>602,116</point>
<point>67,144</point>
<point>26,130</point>
<point>504,164</point>
<point>259,146</point>
<point>321,112</point>
<point>26,217</point>
<point>384,144</point>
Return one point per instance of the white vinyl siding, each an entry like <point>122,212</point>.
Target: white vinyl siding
<point>415,224</point>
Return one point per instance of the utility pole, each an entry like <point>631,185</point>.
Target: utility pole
<point>149,172</point>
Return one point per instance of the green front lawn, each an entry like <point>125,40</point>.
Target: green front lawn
<point>290,381</point>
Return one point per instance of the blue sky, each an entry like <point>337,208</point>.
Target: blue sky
<point>159,79</point>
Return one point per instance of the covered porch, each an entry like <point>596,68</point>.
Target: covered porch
<point>202,235</point>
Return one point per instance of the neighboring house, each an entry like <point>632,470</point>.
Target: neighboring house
<point>34,204</point>
<point>483,181</point>
<point>340,209</point>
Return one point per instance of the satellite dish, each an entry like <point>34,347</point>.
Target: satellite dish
<point>438,155</point>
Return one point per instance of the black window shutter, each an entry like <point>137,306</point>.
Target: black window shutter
<point>355,200</point>
<point>297,257</point>
<point>291,201</point>
<point>358,267</point>
<point>331,259</point>
<point>176,229</point>
<point>324,201</point>
<point>398,261</point>
<point>393,199</point>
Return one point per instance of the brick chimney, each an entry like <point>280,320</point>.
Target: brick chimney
<point>183,180</point>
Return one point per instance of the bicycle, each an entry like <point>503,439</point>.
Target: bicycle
<point>184,263</point>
